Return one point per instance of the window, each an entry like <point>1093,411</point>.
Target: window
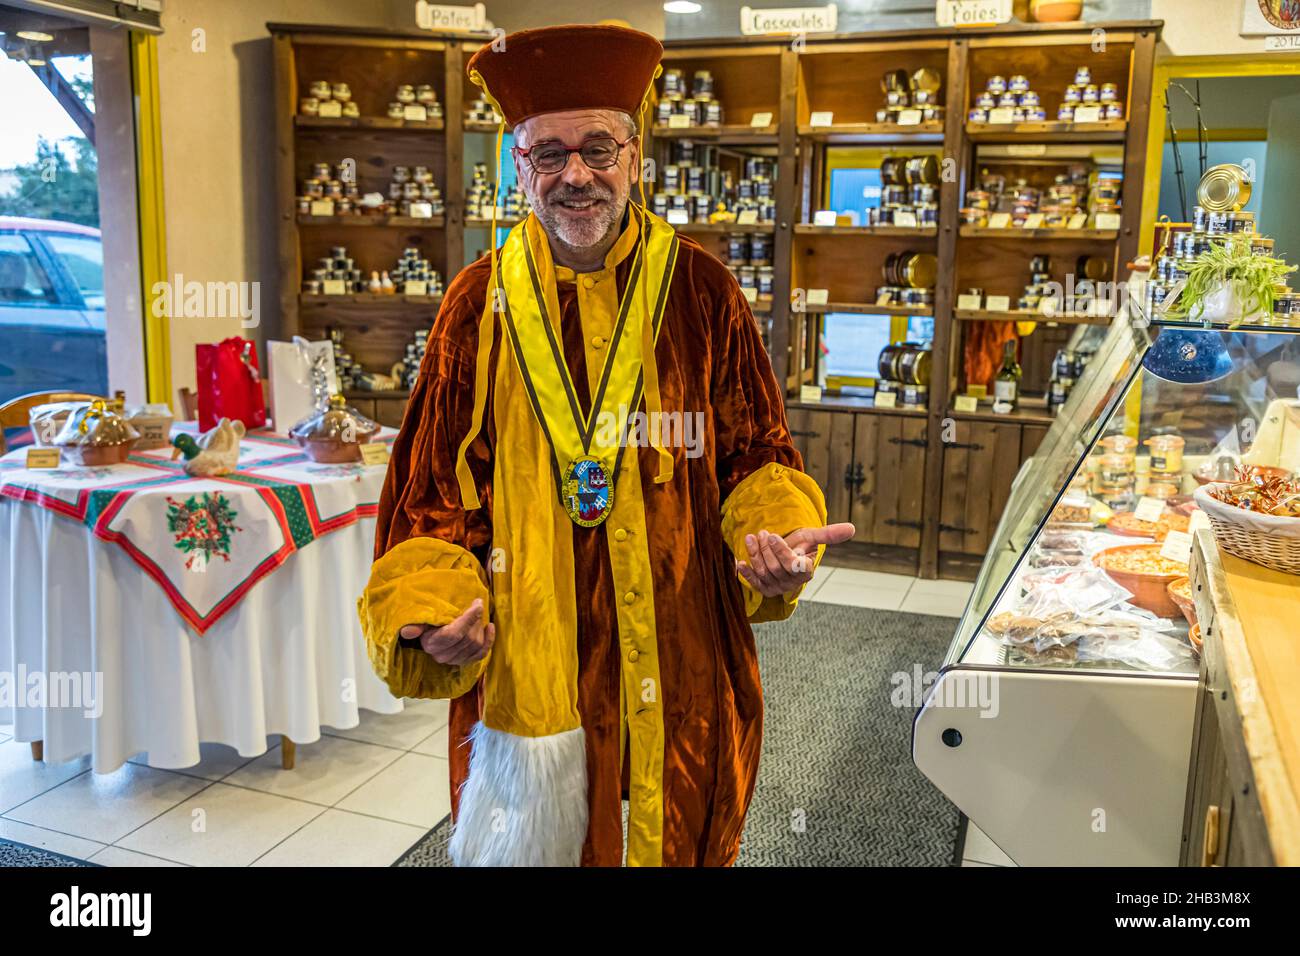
<point>854,191</point>
<point>83,256</point>
<point>22,280</point>
<point>853,342</point>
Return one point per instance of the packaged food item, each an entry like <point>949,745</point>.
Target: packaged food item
<point>96,434</point>
<point>1166,452</point>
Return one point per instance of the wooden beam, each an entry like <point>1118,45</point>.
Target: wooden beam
<point>72,103</point>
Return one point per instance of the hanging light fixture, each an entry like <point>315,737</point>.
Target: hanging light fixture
<point>36,36</point>
<point>1189,356</point>
<point>682,6</point>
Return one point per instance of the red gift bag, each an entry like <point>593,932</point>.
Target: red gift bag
<point>229,383</point>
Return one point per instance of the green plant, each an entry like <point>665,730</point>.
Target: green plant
<point>1230,262</point>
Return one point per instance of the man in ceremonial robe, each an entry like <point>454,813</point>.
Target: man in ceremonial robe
<point>593,495</point>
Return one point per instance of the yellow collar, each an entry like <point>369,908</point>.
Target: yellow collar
<point>621,249</point>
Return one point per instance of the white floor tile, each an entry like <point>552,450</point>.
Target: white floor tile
<point>106,807</point>
<point>324,772</point>
<point>403,731</point>
<point>983,850</point>
<point>937,604</point>
<point>876,580</point>
<point>856,595</point>
<point>215,761</point>
<point>338,838</point>
<point>821,575</point>
<point>116,856</point>
<point>956,589</point>
<point>4,738</point>
<point>22,778</point>
<point>222,826</point>
<point>50,840</point>
<point>434,745</point>
<point>415,789</point>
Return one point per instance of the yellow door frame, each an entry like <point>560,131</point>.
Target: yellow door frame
<point>152,226</point>
<point>1193,67</point>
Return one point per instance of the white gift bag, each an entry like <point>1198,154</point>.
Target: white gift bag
<point>295,369</point>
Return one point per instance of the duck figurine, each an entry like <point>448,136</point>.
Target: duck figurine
<point>215,452</point>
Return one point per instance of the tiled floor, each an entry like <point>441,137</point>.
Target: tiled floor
<point>356,797</point>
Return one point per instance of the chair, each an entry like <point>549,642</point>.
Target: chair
<point>14,414</point>
<point>189,404</point>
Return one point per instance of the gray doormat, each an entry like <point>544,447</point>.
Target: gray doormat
<point>836,784</point>
<point>20,854</point>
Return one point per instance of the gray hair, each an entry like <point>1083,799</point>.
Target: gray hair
<point>630,127</point>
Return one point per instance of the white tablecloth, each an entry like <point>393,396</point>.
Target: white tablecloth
<point>288,659</point>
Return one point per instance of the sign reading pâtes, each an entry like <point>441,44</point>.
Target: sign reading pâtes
<point>788,20</point>
<point>435,16</point>
<point>971,13</point>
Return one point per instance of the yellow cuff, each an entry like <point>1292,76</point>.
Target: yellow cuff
<point>781,500</point>
<point>421,581</point>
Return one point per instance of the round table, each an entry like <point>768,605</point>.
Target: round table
<point>124,630</point>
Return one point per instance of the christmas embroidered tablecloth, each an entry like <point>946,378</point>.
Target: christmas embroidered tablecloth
<point>205,541</point>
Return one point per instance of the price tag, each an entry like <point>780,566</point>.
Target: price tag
<point>1091,113</point>
<point>1077,221</point>
<point>678,217</point>
<point>42,458</point>
<point>679,121</point>
<point>420,210</point>
<point>966,403</point>
<point>886,400</point>
<point>334,287</point>
<point>998,303</point>
<point>374,453</point>
<point>818,296</point>
<point>1149,509</point>
<point>1177,547</point>
<point>330,109</point>
<point>322,207</point>
<point>979,391</point>
<point>747,217</point>
<point>415,287</point>
<point>415,111</point>
<point>1002,114</point>
<point>1000,220</point>
<point>969,301</point>
<point>824,217</point>
<point>821,118</point>
<point>1199,521</point>
<point>810,393</point>
<point>1107,220</point>
<point>197,562</point>
<point>761,119</point>
<point>750,293</point>
<point>909,118</point>
<point>1034,221</point>
<point>905,218</point>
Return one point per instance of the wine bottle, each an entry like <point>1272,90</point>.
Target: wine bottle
<point>1006,387</point>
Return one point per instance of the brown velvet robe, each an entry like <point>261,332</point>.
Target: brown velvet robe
<point>711,359</point>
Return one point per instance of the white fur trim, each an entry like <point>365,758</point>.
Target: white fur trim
<point>524,802</point>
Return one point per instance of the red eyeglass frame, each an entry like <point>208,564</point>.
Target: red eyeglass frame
<point>525,153</point>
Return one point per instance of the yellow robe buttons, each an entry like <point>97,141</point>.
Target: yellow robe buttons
<point>597,342</point>
<point>634,655</point>
<point>629,597</point>
<point>620,534</point>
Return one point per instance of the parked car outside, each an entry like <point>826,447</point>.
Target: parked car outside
<point>51,308</point>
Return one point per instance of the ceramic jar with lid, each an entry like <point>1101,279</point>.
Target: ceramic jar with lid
<point>334,435</point>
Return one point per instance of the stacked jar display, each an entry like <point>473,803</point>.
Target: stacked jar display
<point>749,258</point>
<point>695,103</point>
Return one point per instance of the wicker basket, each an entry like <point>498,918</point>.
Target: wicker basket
<point>1265,540</point>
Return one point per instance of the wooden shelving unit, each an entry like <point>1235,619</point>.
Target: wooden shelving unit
<point>921,504</point>
<point>373,63</point>
<point>923,500</point>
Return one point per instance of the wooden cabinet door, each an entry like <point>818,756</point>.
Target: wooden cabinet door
<point>888,479</point>
<point>825,442</point>
<point>979,465</point>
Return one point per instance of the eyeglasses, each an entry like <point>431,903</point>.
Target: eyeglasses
<point>601,152</point>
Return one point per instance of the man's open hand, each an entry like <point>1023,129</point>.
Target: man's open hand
<point>463,641</point>
<point>781,565</point>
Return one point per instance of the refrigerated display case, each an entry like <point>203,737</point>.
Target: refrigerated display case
<point>1061,719</point>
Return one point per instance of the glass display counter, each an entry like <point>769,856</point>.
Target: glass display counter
<point>1061,719</point>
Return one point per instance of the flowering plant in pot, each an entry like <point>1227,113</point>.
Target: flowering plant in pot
<point>1228,284</point>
